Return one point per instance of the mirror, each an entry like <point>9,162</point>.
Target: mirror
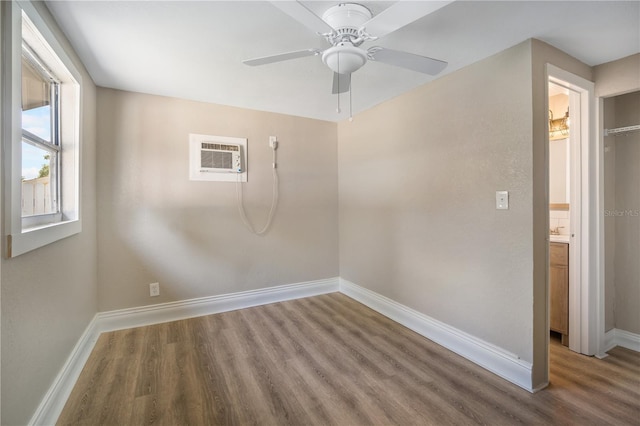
<point>559,171</point>
<point>559,154</point>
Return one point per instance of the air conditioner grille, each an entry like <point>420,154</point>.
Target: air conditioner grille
<point>216,160</point>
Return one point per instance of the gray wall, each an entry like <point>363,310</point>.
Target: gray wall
<point>156,225</point>
<point>621,182</point>
<point>623,223</point>
<point>627,307</point>
<point>49,295</point>
<point>617,77</point>
<point>418,176</point>
<point>418,223</point>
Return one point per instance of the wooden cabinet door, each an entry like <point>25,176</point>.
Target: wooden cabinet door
<point>559,294</point>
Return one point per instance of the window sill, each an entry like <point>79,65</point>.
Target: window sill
<point>33,238</point>
<point>31,223</point>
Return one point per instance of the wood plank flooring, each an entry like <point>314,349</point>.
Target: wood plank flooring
<point>328,360</point>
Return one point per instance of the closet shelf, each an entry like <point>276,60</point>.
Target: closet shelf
<point>621,130</point>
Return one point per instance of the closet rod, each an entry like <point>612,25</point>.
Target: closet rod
<point>619,130</point>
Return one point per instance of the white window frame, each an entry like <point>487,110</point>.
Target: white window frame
<point>27,235</point>
<point>53,146</point>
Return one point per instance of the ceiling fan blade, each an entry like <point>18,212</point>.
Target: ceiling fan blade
<point>305,16</point>
<point>341,83</point>
<point>406,60</point>
<point>281,57</point>
<point>400,14</point>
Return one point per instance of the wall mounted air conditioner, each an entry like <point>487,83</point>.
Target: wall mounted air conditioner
<point>217,158</point>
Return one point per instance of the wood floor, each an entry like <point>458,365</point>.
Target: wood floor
<point>328,360</point>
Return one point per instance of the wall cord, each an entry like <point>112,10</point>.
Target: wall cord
<point>274,199</point>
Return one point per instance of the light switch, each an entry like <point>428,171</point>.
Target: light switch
<point>502,200</point>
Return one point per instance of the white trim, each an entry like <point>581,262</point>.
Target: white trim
<point>586,324</point>
<point>493,358</point>
<point>626,339</point>
<point>173,311</point>
<point>54,400</point>
<point>56,397</point>
<point>600,238</point>
<point>34,238</point>
<point>608,343</point>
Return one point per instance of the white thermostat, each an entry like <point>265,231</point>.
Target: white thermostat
<point>217,158</point>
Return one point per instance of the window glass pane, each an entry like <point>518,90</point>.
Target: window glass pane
<point>38,182</point>
<point>38,122</point>
<point>36,101</point>
<point>35,87</point>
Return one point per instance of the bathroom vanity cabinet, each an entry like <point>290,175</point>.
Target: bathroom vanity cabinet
<point>559,289</point>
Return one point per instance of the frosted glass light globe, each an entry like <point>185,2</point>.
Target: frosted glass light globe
<point>344,58</point>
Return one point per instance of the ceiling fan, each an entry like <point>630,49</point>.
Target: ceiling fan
<point>346,27</point>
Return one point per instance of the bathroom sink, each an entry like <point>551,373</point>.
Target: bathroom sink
<point>559,238</point>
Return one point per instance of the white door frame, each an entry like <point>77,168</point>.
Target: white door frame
<point>586,294</point>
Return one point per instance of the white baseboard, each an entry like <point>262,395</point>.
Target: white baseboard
<point>173,311</point>
<point>503,363</point>
<point>616,337</point>
<point>609,342</point>
<point>53,402</point>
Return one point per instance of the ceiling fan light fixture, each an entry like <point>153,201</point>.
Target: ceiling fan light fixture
<point>344,58</point>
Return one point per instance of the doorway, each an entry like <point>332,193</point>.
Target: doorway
<point>583,177</point>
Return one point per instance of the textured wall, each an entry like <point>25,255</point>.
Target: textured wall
<point>618,77</point>
<point>627,215</point>
<point>622,302</point>
<point>418,223</point>
<point>418,176</point>
<point>49,295</point>
<point>156,225</point>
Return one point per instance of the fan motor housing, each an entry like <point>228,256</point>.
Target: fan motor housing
<point>347,18</point>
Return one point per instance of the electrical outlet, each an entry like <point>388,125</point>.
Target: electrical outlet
<point>273,142</point>
<point>154,289</point>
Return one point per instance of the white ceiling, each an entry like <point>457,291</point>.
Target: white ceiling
<point>194,50</point>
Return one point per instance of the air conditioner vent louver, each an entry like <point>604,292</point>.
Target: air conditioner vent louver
<point>216,160</point>
<point>220,147</point>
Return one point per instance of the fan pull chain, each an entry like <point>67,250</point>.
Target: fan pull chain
<point>338,108</point>
<point>350,107</point>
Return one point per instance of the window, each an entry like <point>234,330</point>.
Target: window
<point>41,131</point>
<point>40,138</point>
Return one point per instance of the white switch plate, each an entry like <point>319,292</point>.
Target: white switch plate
<point>502,200</point>
<point>154,289</point>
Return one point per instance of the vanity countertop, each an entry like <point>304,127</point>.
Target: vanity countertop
<point>559,238</point>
